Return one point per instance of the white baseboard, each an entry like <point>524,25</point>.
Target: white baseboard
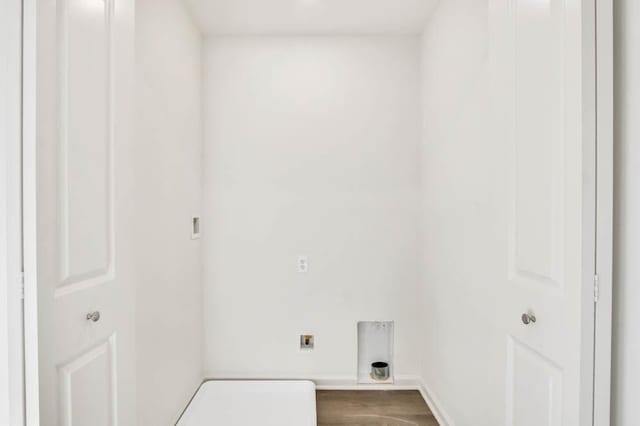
<point>351,383</point>
<point>402,382</point>
<point>435,405</point>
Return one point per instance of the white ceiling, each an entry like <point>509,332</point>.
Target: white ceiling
<point>317,17</point>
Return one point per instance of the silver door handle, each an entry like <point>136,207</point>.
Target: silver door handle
<point>93,316</point>
<point>528,318</point>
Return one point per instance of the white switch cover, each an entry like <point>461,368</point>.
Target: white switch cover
<point>303,264</point>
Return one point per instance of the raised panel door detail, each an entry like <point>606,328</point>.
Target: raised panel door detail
<point>538,142</point>
<point>86,181</point>
<point>534,387</point>
<point>88,392</point>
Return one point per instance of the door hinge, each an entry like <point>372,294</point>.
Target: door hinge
<point>596,288</point>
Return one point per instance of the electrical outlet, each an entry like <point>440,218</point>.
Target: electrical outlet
<point>306,342</point>
<point>303,264</point>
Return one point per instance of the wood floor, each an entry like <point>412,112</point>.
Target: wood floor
<point>373,408</point>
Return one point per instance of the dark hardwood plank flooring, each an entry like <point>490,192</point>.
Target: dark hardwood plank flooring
<point>373,408</point>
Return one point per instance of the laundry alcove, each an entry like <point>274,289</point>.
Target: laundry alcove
<point>284,197</point>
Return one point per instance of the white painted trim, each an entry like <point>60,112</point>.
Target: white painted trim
<point>604,207</point>
<point>589,208</point>
<point>435,405</point>
<point>363,387</point>
<point>402,382</point>
<point>29,83</point>
<point>11,342</point>
<point>351,383</point>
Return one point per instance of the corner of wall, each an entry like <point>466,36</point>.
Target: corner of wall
<point>435,405</point>
<point>169,321</point>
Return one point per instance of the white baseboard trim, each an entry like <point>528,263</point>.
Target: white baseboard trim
<point>435,405</point>
<point>351,383</point>
<point>402,382</point>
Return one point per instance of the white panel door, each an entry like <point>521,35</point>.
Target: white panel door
<point>542,53</point>
<point>81,92</point>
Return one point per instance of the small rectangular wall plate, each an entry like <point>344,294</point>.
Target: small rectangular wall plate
<point>307,342</point>
<point>303,264</point>
<point>195,227</point>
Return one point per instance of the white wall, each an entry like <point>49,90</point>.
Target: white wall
<point>626,338</point>
<point>311,148</point>
<point>463,361</point>
<point>168,178</point>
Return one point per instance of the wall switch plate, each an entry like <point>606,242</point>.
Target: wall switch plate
<point>303,264</point>
<point>306,342</point>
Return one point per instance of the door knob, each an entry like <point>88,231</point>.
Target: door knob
<point>528,318</point>
<point>93,316</point>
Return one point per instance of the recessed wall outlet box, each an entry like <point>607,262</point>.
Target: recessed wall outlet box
<point>195,227</point>
<point>303,264</point>
<point>306,342</point>
<point>375,349</point>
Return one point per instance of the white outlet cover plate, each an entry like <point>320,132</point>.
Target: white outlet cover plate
<point>303,264</point>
